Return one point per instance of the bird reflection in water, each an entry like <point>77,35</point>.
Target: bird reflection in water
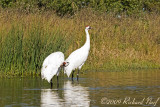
<point>70,95</point>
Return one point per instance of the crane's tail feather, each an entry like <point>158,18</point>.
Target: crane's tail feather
<point>68,71</point>
<point>48,72</point>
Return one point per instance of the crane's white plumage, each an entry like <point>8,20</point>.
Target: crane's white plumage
<point>77,58</point>
<point>52,65</point>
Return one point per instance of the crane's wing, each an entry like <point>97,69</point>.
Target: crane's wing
<point>51,65</point>
<point>76,60</point>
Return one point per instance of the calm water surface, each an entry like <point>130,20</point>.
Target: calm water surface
<point>96,89</point>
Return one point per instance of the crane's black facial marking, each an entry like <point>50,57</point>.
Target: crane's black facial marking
<point>88,27</point>
<point>66,64</point>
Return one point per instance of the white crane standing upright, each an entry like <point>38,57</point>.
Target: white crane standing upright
<point>52,66</point>
<point>77,58</point>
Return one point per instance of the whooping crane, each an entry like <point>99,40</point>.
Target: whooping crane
<point>52,66</point>
<point>77,58</point>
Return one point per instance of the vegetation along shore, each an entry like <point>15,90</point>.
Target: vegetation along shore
<point>121,38</point>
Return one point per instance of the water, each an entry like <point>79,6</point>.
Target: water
<point>96,89</point>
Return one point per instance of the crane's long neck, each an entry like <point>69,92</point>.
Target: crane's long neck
<point>87,43</point>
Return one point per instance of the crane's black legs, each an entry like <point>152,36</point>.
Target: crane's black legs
<point>57,79</point>
<point>51,84</point>
<point>72,75</point>
<point>57,82</point>
<point>78,75</point>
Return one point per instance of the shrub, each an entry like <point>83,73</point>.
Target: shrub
<point>62,7</point>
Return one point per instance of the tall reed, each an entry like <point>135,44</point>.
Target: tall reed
<point>116,43</point>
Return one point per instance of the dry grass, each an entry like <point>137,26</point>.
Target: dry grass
<point>128,42</point>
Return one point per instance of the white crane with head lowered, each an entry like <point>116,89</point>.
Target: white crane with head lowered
<point>77,58</point>
<point>52,66</point>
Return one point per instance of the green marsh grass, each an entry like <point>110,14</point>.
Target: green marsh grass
<point>116,44</point>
